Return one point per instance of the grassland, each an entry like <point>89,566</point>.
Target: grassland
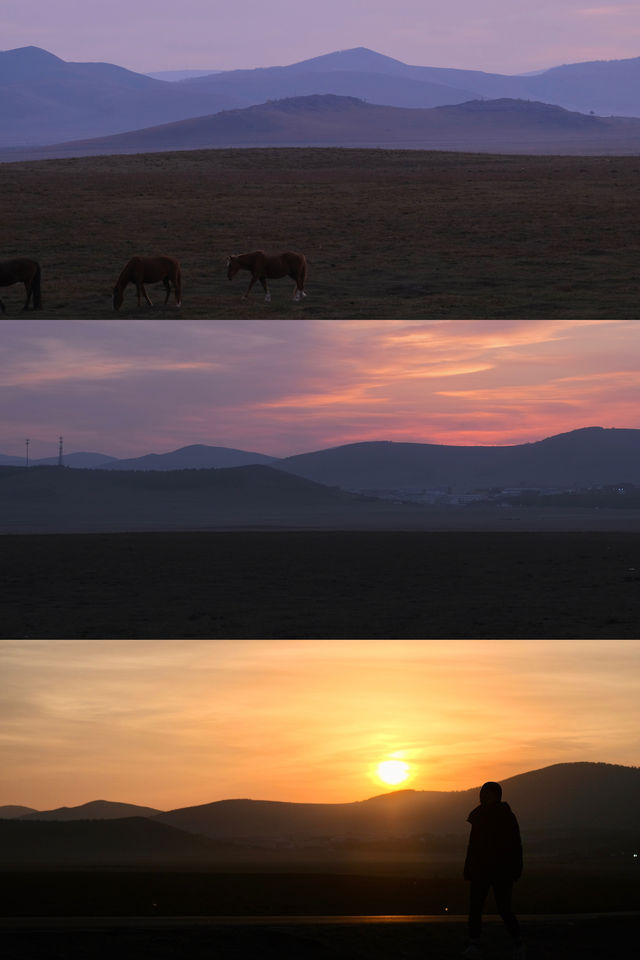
<point>321,584</point>
<point>387,233</point>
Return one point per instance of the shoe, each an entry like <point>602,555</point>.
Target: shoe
<point>472,952</point>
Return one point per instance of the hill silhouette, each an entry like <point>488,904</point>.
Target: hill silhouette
<point>571,802</point>
<point>123,841</point>
<point>57,499</point>
<point>562,797</point>
<point>589,456</point>
<point>45,100</point>
<point>94,810</point>
<point>11,810</point>
<point>195,456</point>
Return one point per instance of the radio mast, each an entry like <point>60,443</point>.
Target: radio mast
<point>26,454</point>
<point>60,451</point>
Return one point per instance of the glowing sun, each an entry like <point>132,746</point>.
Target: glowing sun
<point>393,771</point>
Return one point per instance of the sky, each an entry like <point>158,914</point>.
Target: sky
<point>168,725</point>
<point>127,388</point>
<point>501,36</point>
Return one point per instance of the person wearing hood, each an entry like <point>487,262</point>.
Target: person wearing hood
<point>494,859</point>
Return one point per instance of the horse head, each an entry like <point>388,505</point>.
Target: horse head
<point>118,296</point>
<point>232,267</point>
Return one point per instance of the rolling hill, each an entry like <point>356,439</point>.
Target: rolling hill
<point>75,842</point>
<point>196,456</point>
<point>94,810</point>
<point>54,499</point>
<point>589,456</point>
<point>326,120</point>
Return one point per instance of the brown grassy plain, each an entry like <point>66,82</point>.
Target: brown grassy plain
<point>388,233</point>
<point>315,584</point>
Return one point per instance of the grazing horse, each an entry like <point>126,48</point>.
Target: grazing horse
<point>262,267</point>
<point>141,270</point>
<point>22,271</point>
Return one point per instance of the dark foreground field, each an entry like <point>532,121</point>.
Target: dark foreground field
<point>546,938</point>
<point>164,914</point>
<point>388,233</point>
<point>322,585</point>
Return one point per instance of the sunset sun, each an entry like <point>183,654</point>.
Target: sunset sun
<point>393,772</point>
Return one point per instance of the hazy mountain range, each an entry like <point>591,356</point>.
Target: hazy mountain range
<point>560,800</point>
<point>339,488</point>
<point>588,456</point>
<point>45,100</point>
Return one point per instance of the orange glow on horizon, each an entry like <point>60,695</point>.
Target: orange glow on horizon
<point>171,725</point>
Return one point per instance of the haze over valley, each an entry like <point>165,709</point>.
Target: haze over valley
<point>372,484</point>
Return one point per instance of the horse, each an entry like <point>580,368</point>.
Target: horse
<point>141,270</point>
<point>262,267</point>
<point>22,271</point>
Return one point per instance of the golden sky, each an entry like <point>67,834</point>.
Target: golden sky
<point>171,724</point>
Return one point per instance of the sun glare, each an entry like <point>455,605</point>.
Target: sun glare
<point>393,772</point>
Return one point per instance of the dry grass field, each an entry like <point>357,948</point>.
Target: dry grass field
<point>321,584</point>
<point>387,233</point>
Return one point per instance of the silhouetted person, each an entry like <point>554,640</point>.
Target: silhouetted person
<point>494,859</point>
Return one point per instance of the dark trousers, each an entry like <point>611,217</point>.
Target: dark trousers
<point>502,890</point>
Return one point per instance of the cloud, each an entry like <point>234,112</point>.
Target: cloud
<point>126,388</point>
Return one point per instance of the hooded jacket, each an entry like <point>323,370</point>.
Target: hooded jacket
<point>495,848</point>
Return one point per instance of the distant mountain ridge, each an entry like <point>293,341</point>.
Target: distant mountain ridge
<point>562,799</point>
<point>45,100</point>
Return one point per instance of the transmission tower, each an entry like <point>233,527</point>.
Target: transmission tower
<point>26,453</point>
<point>59,451</point>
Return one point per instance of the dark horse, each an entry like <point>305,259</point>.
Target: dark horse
<point>22,271</point>
<point>263,268</point>
<point>141,270</point>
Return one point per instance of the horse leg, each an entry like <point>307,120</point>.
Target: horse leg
<point>167,287</point>
<point>27,290</point>
<point>265,287</point>
<point>298,292</point>
<point>143,292</point>
<point>251,283</point>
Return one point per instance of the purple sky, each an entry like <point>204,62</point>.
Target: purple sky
<point>131,387</point>
<point>504,36</point>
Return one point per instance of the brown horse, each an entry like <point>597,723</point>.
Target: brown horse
<point>141,270</point>
<point>22,271</point>
<point>261,267</point>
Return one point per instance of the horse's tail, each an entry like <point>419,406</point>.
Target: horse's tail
<point>302,273</point>
<point>178,285</point>
<point>35,286</point>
